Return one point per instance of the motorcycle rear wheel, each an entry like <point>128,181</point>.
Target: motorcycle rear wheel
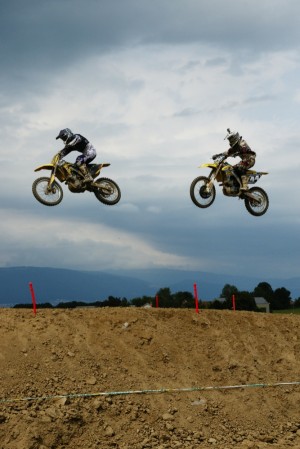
<point>259,207</point>
<point>108,191</point>
<point>41,193</point>
<point>199,194</point>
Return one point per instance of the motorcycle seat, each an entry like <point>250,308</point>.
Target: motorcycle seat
<point>93,166</point>
<point>251,172</point>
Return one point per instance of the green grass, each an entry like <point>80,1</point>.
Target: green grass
<point>294,311</point>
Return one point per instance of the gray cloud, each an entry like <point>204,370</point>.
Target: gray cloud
<point>52,34</point>
<point>154,84</point>
<point>40,39</point>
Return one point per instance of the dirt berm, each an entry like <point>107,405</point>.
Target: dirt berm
<point>55,367</point>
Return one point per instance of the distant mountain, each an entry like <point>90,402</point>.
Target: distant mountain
<point>60,285</point>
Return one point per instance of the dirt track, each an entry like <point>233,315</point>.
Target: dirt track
<point>86,351</point>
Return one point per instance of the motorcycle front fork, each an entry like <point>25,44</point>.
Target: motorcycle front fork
<point>50,188</point>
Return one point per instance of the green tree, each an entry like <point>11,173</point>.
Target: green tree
<point>165,297</point>
<point>228,291</point>
<point>112,301</point>
<point>297,302</point>
<point>217,304</point>
<point>245,301</point>
<point>281,299</point>
<point>183,299</point>
<point>264,290</point>
<point>44,305</point>
<point>70,304</point>
<point>141,301</point>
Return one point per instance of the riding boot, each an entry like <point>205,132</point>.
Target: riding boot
<point>244,180</point>
<point>85,172</point>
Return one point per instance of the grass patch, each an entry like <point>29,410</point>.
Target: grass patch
<point>294,311</point>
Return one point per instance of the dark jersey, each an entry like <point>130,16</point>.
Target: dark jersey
<point>75,143</point>
<point>241,149</point>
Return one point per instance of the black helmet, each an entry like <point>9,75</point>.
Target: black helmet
<point>64,134</point>
<point>233,137</point>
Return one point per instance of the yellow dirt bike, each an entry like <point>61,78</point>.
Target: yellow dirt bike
<point>50,193</point>
<point>203,192</point>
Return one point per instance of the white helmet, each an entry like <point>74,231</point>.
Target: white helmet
<point>233,137</point>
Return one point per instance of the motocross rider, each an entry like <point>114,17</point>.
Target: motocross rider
<point>76,142</point>
<point>239,147</point>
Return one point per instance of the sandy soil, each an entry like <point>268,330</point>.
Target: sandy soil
<point>58,367</point>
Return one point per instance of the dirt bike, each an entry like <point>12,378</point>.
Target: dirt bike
<point>50,193</point>
<point>203,192</point>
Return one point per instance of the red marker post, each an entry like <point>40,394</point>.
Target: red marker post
<point>33,298</point>
<point>233,302</point>
<point>196,298</point>
<point>156,301</point>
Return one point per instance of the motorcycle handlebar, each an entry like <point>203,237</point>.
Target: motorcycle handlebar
<point>216,156</point>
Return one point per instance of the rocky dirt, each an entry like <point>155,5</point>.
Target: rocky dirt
<point>59,367</point>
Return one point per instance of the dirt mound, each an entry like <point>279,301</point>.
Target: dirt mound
<point>58,368</point>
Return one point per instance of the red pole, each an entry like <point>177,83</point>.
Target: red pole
<point>196,298</point>
<point>233,302</point>
<point>156,301</point>
<point>33,298</point>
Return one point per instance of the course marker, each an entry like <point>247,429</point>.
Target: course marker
<point>33,298</point>
<point>196,298</point>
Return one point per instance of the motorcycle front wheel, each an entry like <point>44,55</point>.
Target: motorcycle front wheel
<point>44,195</point>
<point>200,195</point>
<point>258,206</point>
<point>107,191</point>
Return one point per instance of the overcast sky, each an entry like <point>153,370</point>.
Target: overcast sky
<point>153,85</point>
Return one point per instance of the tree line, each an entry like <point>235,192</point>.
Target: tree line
<point>278,299</point>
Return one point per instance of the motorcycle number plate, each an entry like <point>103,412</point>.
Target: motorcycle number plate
<point>254,178</point>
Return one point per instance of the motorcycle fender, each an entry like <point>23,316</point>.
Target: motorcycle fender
<point>250,195</point>
<point>44,167</point>
<point>211,165</point>
<point>100,166</point>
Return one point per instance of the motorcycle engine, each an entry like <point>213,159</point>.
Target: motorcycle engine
<point>75,185</point>
<point>231,186</point>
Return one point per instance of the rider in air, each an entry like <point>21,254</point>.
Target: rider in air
<point>239,147</point>
<point>76,142</point>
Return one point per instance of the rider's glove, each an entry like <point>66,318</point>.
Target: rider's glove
<point>214,156</point>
